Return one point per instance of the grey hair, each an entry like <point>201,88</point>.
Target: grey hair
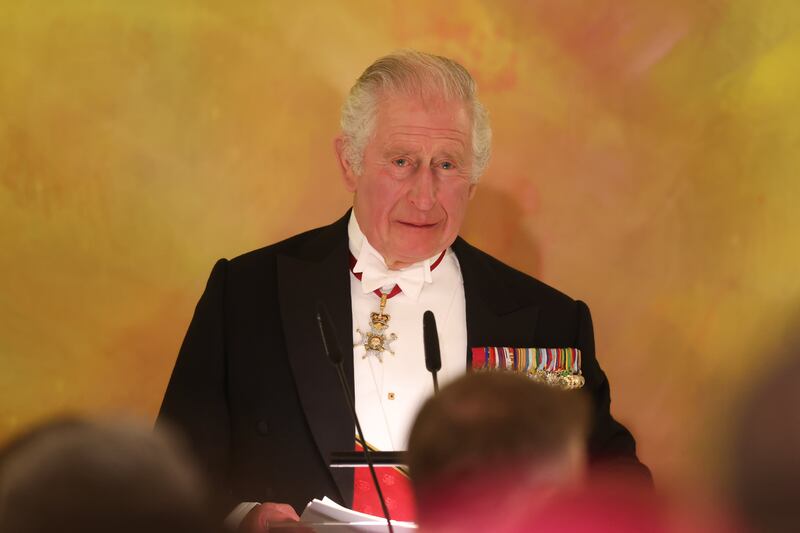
<point>410,72</point>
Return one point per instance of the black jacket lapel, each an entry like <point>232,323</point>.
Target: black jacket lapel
<point>320,273</point>
<point>496,312</point>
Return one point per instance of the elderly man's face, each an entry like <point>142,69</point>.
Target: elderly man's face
<point>412,194</point>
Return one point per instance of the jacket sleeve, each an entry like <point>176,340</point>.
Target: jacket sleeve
<point>611,445</point>
<point>196,401</point>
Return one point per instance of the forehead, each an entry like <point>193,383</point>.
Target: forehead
<point>410,118</point>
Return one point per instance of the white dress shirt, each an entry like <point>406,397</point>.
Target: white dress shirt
<point>388,394</point>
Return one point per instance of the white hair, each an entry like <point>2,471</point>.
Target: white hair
<point>412,73</point>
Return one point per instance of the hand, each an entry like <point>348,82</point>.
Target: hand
<point>260,516</point>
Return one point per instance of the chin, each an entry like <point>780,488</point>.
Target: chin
<point>414,254</point>
<point>414,247</point>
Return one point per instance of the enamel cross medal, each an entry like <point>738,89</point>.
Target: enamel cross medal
<point>377,340</point>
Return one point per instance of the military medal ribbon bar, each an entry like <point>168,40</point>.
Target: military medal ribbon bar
<point>559,367</point>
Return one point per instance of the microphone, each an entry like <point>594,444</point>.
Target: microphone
<point>334,352</point>
<point>433,356</point>
<point>329,341</point>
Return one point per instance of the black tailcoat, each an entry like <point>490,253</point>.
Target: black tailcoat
<point>262,407</point>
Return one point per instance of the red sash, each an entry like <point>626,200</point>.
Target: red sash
<point>396,489</point>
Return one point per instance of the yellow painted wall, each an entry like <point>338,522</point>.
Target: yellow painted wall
<point>646,160</point>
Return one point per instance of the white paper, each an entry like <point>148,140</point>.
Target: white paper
<point>327,511</point>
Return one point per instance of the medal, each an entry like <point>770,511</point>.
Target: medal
<point>377,340</point>
<point>557,367</point>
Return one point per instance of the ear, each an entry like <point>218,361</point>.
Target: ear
<point>472,188</point>
<point>345,167</point>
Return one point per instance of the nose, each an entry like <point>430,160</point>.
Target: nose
<point>422,192</point>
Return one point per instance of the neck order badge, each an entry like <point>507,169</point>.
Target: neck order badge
<point>378,340</point>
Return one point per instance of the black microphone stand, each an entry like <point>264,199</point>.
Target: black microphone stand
<point>331,346</point>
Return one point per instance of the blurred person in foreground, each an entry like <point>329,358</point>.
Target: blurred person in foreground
<point>492,445</point>
<point>766,447</point>
<point>78,476</point>
<point>499,452</point>
<point>262,407</point>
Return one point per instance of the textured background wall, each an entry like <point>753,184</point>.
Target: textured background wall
<point>646,160</point>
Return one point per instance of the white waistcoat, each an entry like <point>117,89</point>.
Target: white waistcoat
<point>389,394</point>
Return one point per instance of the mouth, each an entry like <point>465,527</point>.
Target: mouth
<point>418,225</point>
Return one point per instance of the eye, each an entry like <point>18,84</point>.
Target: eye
<point>401,162</point>
<point>447,165</point>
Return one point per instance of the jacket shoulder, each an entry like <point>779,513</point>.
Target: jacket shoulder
<point>524,286</point>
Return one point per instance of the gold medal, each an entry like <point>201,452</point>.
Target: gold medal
<point>377,340</point>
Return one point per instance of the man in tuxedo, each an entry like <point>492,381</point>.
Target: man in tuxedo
<point>251,388</point>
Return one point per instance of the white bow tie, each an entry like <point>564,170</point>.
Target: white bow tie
<point>375,274</point>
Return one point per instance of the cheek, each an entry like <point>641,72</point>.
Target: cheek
<point>386,194</point>
<point>455,202</point>
<point>383,187</point>
<point>380,196</point>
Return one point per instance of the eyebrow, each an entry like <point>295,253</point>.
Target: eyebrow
<point>454,156</point>
<point>404,148</point>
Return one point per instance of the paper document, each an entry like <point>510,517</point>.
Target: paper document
<point>328,512</point>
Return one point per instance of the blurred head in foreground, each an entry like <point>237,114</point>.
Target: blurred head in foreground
<point>492,445</point>
<point>78,476</point>
<point>766,448</point>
